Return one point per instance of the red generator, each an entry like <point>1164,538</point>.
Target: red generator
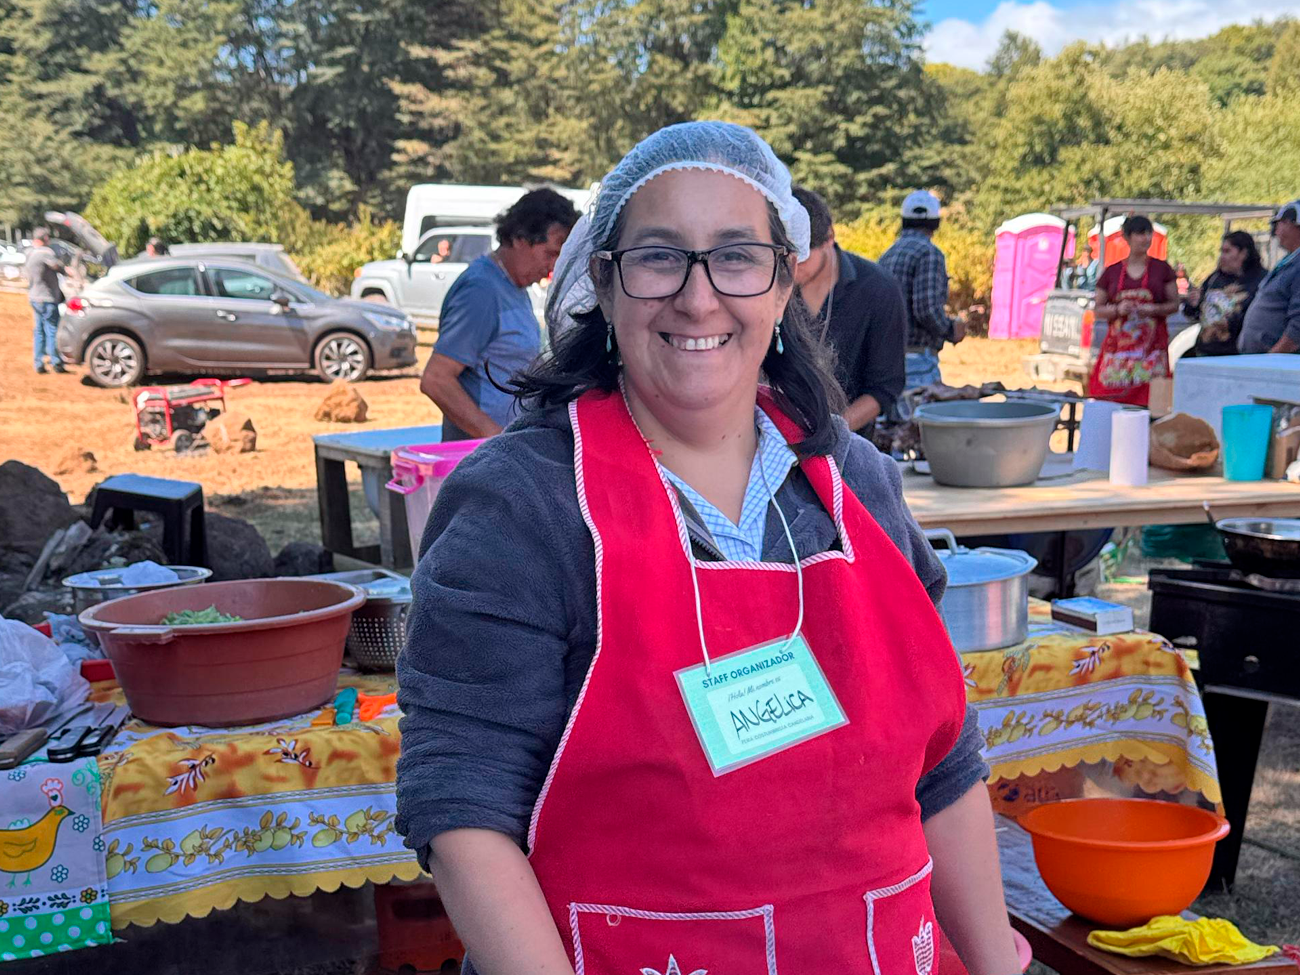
<point>176,414</point>
<point>415,934</point>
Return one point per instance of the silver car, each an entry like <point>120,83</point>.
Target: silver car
<point>223,316</point>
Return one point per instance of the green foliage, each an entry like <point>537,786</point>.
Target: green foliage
<point>331,264</point>
<point>1071,132</point>
<point>1284,69</point>
<point>839,90</point>
<point>243,191</point>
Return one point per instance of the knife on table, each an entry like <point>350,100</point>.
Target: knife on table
<point>66,743</point>
<point>102,736</point>
<point>19,747</point>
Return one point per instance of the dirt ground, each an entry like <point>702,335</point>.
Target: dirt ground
<point>42,416</point>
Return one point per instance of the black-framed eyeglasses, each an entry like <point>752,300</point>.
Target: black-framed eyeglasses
<point>735,270</point>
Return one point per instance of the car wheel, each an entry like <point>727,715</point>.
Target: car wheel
<point>115,360</point>
<point>378,297</point>
<point>341,356</point>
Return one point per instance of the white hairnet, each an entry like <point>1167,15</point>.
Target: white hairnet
<point>718,146</point>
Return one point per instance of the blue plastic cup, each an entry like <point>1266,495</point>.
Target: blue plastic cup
<point>1246,432</point>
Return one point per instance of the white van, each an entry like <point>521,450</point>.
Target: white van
<point>432,205</point>
<point>446,226</point>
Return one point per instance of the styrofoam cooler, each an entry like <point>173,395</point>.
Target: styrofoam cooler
<point>1204,386</point>
<point>418,474</point>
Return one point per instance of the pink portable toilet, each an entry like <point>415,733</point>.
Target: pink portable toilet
<point>1028,248</point>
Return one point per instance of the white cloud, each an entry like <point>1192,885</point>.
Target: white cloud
<point>970,44</point>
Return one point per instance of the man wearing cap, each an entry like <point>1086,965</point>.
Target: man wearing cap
<point>1272,322</point>
<point>43,291</point>
<point>919,267</point>
<point>858,310</point>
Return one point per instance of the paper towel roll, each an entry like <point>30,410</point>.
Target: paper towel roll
<point>1093,451</point>
<point>1130,442</point>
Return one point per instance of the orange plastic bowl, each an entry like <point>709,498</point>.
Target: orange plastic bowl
<point>1121,862</point>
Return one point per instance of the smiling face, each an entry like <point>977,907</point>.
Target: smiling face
<point>697,349</point>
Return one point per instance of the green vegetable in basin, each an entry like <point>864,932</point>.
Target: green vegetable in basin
<point>196,617</point>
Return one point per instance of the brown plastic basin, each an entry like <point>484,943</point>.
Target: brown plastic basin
<point>281,659</point>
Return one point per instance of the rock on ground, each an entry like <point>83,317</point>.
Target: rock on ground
<point>31,607</point>
<point>74,460</point>
<point>32,508</point>
<point>236,550</point>
<point>342,404</point>
<point>303,559</point>
<point>231,433</point>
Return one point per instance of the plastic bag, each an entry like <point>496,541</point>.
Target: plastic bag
<point>1181,442</point>
<point>37,680</point>
<point>147,573</point>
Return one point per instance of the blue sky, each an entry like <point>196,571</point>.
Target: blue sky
<point>965,32</point>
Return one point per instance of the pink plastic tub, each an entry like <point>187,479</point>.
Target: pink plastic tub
<point>418,473</point>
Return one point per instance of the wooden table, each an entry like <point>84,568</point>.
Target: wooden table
<point>370,450</point>
<point>1088,500</point>
<point>1059,938</point>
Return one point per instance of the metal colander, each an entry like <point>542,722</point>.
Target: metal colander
<point>378,630</point>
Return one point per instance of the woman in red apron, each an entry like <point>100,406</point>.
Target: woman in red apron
<point>734,790</point>
<point>1134,295</point>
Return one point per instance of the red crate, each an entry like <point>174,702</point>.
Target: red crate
<point>415,934</point>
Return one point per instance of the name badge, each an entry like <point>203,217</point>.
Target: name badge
<point>758,702</point>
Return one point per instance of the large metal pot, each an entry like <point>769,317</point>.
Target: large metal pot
<point>1263,546</point>
<point>970,443</point>
<point>986,604</point>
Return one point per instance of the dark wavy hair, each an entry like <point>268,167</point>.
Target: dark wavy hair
<point>532,216</point>
<point>801,378</point>
<point>1245,242</point>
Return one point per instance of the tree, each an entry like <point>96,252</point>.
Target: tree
<point>1015,53</point>
<point>839,90</point>
<point>1072,132</point>
<point>1284,69</point>
<point>241,191</point>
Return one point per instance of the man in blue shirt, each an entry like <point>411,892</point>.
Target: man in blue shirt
<point>488,331</point>
<point>1272,322</point>
<point>919,267</point>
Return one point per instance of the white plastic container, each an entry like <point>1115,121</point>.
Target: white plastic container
<point>1203,387</point>
<point>418,474</point>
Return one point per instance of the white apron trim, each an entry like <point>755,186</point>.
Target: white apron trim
<point>872,896</point>
<point>766,912</point>
<point>581,484</point>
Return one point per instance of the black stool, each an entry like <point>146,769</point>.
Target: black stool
<point>179,502</point>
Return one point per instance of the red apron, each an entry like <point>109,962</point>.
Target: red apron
<point>812,859</point>
<point>1134,351</point>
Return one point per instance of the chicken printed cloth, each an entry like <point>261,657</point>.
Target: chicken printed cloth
<point>53,884</point>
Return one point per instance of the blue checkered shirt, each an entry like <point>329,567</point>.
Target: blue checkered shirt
<point>920,269</point>
<point>772,464</point>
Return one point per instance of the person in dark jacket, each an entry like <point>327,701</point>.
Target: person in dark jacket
<point>858,310</point>
<point>1220,303</point>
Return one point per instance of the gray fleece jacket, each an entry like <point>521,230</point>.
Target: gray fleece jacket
<point>503,626</point>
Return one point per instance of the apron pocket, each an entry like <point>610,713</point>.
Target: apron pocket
<point>610,940</point>
<point>902,933</point>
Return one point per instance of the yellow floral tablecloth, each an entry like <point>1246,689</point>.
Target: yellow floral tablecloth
<point>1068,713</point>
<point>197,818</point>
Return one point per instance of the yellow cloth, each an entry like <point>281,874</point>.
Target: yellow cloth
<point>1205,941</point>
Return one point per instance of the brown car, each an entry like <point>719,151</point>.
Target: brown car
<point>214,316</point>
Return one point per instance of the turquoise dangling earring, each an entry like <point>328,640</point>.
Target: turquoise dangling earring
<point>780,346</point>
<point>609,339</point>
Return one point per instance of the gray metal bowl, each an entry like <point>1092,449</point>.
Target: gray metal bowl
<point>970,443</point>
<point>101,585</point>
